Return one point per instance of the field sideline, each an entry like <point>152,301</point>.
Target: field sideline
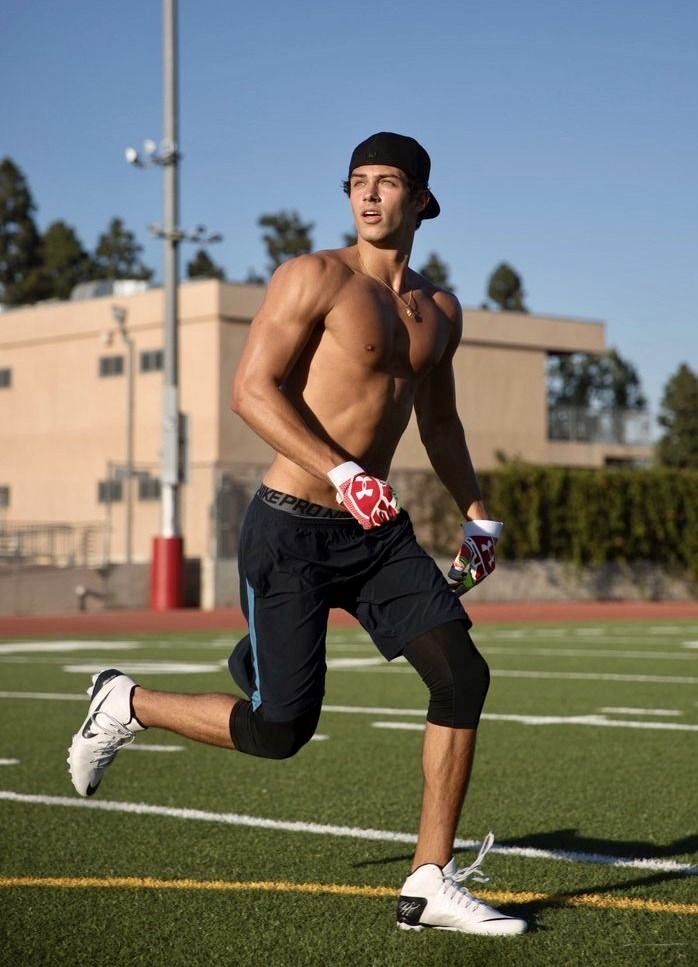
<point>192,619</point>
<point>586,772</point>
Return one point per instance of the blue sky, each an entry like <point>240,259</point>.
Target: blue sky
<point>563,136</point>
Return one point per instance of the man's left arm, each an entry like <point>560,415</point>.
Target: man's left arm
<point>443,436</point>
<point>440,427</point>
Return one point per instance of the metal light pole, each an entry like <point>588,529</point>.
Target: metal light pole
<point>166,585</point>
<point>167,573</point>
<point>119,314</point>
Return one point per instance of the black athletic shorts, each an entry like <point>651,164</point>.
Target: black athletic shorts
<point>296,561</point>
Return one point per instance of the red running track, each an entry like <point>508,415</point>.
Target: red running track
<point>227,619</point>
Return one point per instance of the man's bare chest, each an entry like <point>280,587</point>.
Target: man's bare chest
<point>382,332</point>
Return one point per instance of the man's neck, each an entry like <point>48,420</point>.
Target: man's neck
<point>388,264</point>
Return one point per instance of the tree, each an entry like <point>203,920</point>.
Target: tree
<point>20,242</point>
<point>349,239</point>
<point>254,278</point>
<point>202,266</point>
<point>679,416</point>
<point>117,255</point>
<point>437,272</point>
<point>65,263</point>
<point>506,289</point>
<point>603,382</point>
<point>286,237</point>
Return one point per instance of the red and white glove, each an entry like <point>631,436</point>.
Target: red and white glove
<point>370,500</point>
<point>475,559</point>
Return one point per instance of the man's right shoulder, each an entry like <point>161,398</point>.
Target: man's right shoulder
<point>310,283</point>
<point>326,265</point>
<point>323,273</point>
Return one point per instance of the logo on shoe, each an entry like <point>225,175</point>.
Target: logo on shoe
<point>88,732</point>
<point>410,909</point>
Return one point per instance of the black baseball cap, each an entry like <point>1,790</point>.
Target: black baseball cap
<point>398,151</point>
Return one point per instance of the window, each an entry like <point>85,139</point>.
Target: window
<point>5,378</point>
<point>4,496</point>
<point>109,491</point>
<point>111,365</point>
<point>151,360</point>
<point>148,488</point>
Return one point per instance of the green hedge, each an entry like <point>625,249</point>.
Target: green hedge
<point>583,516</point>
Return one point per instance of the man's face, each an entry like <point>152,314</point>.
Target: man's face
<point>382,202</point>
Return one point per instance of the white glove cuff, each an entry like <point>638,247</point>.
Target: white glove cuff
<point>483,528</point>
<point>345,471</point>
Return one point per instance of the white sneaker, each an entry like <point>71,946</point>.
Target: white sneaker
<point>432,897</point>
<point>110,724</point>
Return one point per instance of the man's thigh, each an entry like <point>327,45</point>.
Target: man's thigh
<point>287,616</point>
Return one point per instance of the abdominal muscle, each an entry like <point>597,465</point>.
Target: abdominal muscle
<point>360,410</point>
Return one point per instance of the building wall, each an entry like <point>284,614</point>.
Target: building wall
<point>61,425</point>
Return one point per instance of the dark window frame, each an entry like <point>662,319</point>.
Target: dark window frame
<point>149,488</point>
<point>151,360</point>
<point>110,492</point>
<point>111,366</point>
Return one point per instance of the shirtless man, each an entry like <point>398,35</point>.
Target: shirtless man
<point>345,346</point>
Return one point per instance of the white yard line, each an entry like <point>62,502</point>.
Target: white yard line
<point>588,720</point>
<point>586,653</point>
<point>351,832</point>
<point>32,647</point>
<point>384,668</point>
<point>149,747</point>
<point>624,710</point>
<point>598,676</point>
<point>47,696</point>
<point>154,667</point>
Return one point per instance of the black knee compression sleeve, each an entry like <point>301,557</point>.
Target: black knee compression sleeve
<point>252,734</point>
<point>454,671</point>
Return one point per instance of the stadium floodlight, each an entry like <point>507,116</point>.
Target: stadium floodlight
<point>151,157</point>
<point>200,235</point>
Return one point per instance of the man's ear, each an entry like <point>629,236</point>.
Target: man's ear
<point>422,199</point>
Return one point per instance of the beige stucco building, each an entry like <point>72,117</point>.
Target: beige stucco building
<point>64,415</point>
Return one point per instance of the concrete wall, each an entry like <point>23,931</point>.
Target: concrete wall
<point>49,590</point>
<point>215,585</point>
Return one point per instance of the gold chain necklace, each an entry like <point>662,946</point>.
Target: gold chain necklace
<point>409,304</point>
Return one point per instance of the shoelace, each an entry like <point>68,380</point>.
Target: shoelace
<point>117,736</point>
<point>461,894</point>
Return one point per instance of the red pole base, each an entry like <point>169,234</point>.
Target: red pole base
<point>167,574</point>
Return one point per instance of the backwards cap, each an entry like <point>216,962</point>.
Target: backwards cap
<point>398,151</point>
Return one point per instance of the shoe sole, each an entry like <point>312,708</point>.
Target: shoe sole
<point>475,933</point>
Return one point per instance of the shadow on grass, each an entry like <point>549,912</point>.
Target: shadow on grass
<point>529,909</point>
<point>569,841</point>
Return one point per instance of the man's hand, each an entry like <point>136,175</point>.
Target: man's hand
<point>370,500</point>
<point>475,559</point>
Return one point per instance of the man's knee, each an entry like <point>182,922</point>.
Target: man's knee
<point>455,672</point>
<point>252,734</point>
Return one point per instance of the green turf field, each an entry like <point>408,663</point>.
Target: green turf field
<point>587,765</point>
